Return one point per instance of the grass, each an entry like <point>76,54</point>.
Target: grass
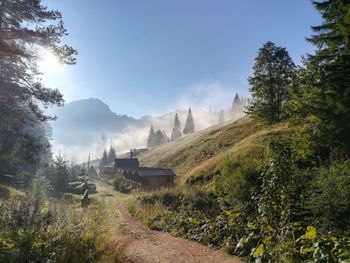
<point>7,192</point>
<point>217,172</point>
<point>202,153</point>
<point>60,230</point>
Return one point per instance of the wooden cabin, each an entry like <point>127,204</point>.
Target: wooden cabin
<point>149,178</point>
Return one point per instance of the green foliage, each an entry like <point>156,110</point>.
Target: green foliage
<point>330,198</point>
<point>27,28</point>
<point>270,84</point>
<point>238,182</point>
<point>322,98</point>
<point>120,185</point>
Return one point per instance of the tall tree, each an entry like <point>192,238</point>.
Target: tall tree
<point>237,103</point>
<point>189,125</point>
<point>160,138</point>
<point>104,159</point>
<point>111,155</point>
<point>176,132</point>
<point>321,99</point>
<point>26,28</point>
<point>150,138</point>
<point>270,84</point>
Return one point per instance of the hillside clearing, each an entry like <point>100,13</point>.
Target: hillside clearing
<point>195,154</point>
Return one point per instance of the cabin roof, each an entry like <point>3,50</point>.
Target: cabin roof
<point>127,163</point>
<point>150,171</point>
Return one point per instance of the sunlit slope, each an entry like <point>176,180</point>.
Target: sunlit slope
<point>198,156</point>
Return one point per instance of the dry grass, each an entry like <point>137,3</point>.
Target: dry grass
<point>201,152</point>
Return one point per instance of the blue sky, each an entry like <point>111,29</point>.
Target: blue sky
<point>144,56</point>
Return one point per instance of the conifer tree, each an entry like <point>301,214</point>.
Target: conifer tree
<point>60,180</point>
<point>104,159</point>
<point>237,103</point>
<point>111,155</point>
<point>26,28</point>
<point>189,125</point>
<point>159,138</point>
<point>270,84</point>
<point>321,99</point>
<point>176,132</point>
<point>151,137</point>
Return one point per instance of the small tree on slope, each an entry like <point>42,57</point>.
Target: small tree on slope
<point>189,125</point>
<point>176,133</point>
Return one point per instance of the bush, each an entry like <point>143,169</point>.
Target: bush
<point>121,186</point>
<point>330,199</point>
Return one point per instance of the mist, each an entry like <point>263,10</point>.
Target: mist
<point>206,102</point>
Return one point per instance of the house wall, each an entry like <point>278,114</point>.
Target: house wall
<point>156,182</point>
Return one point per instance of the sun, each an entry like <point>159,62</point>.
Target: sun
<point>50,61</point>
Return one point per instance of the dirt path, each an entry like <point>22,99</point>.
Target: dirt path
<point>147,246</point>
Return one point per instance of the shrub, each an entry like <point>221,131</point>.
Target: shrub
<point>121,186</point>
<point>330,199</point>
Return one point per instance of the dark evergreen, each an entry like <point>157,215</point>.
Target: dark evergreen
<point>176,132</point>
<point>104,159</point>
<point>160,138</point>
<point>321,99</point>
<point>270,84</point>
<point>237,103</point>
<point>111,155</point>
<point>61,175</point>
<point>189,125</point>
<point>150,138</point>
<point>26,27</point>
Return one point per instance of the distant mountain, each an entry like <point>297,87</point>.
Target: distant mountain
<point>89,126</point>
<point>79,121</point>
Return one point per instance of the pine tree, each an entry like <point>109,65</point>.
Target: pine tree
<point>60,180</point>
<point>111,155</point>
<point>189,125</point>
<point>26,28</point>
<point>270,84</point>
<point>159,138</point>
<point>176,132</point>
<point>237,103</point>
<point>151,137</point>
<point>104,159</point>
<point>321,99</point>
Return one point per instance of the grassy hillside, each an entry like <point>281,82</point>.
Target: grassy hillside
<point>239,189</point>
<point>200,155</point>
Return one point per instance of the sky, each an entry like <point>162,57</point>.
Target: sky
<point>147,57</point>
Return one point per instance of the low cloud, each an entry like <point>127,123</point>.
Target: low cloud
<point>205,96</point>
<point>205,100</point>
